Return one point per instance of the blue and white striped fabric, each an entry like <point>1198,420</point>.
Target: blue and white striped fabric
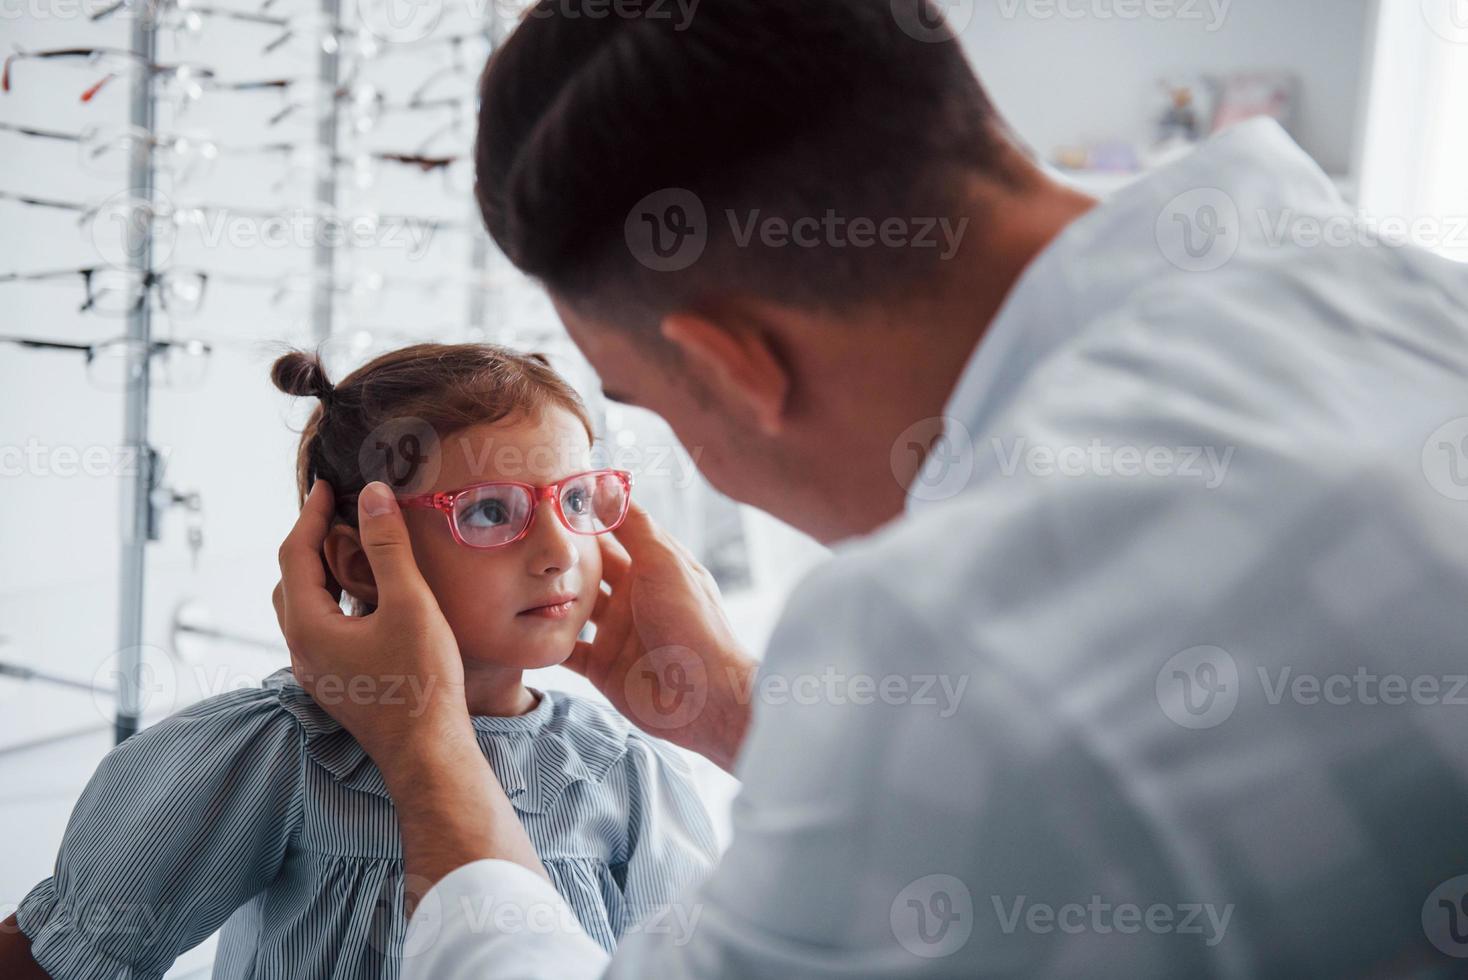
<point>255,807</point>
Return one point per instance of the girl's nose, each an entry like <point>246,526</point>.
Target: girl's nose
<point>552,545</point>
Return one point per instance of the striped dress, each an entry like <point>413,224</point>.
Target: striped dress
<point>256,811</point>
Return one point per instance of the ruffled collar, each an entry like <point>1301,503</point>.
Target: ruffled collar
<point>536,756</point>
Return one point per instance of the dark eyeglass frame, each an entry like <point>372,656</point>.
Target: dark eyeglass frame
<point>147,280</point>
<point>155,347</point>
<point>96,54</point>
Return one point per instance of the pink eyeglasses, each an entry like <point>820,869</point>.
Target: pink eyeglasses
<point>492,515</point>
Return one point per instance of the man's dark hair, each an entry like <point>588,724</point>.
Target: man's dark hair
<point>791,108</point>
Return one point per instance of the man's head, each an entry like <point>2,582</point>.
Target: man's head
<point>758,222</point>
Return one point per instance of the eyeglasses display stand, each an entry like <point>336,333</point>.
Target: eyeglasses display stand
<point>135,286</point>
<point>137,490</point>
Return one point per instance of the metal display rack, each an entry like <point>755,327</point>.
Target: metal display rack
<point>137,494</point>
<point>143,496</point>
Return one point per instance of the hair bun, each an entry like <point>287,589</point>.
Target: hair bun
<point>302,374</point>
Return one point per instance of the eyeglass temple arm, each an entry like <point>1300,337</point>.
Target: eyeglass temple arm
<point>38,344</point>
<point>49,134</point>
<point>91,92</point>
<point>442,501</point>
<point>157,346</point>
<point>108,10</point>
<point>420,501</point>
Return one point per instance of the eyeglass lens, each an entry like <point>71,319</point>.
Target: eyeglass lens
<point>494,515</point>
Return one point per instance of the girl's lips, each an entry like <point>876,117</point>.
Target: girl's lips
<point>559,609</point>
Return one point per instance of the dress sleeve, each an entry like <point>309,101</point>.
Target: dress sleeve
<point>670,839</point>
<point>180,825</point>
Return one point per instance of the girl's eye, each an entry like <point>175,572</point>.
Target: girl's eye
<point>576,502</point>
<point>486,513</point>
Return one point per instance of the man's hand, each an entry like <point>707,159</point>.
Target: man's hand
<point>664,653</point>
<point>393,678</point>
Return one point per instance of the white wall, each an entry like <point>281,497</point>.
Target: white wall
<point>1089,74</point>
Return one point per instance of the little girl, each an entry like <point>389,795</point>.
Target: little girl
<point>256,811</point>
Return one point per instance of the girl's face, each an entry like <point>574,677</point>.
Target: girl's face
<point>488,596</point>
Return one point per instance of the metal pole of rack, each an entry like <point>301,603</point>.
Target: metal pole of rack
<point>137,490</point>
<point>329,78</point>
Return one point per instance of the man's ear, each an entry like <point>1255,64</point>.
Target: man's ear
<point>740,363</point>
<point>348,562</point>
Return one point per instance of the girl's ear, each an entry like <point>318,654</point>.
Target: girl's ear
<point>348,563</point>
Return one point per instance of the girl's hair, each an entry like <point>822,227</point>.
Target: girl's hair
<point>447,387</point>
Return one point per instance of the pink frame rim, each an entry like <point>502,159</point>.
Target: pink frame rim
<point>445,502</point>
